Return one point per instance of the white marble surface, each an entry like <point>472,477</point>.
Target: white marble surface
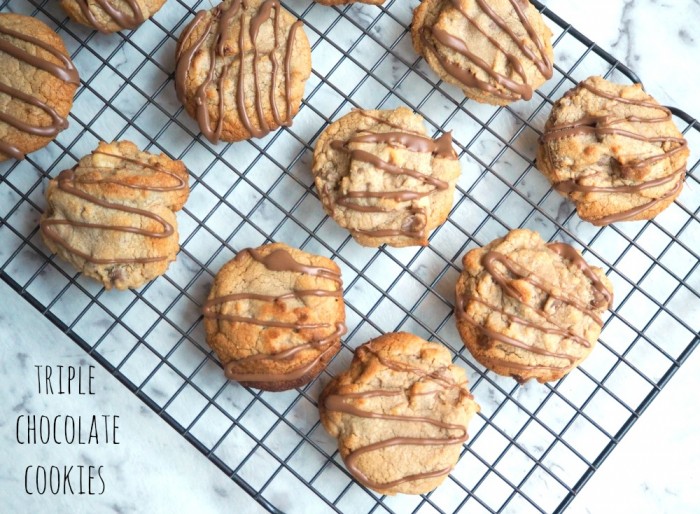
<point>655,467</point>
<point>660,41</point>
<point>152,469</point>
<point>651,471</point>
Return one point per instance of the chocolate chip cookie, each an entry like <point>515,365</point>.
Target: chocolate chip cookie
<point>241,69</point>
<point>111,15</point>
<point>381,177</point>
<point>37,85</point>
<point>275,315</point>
<point>112,215</point>
<point>400,413</point>
<point>496,51</point>
<point>528,309</point>
<point>614,151</point>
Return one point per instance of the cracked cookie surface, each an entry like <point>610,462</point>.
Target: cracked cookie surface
<point>382,178</point>
<point>241,69</point>
<point>400,414</point>
<point>111,15</point>
<point>613,151</point>
<point>528,309</point>
<point>496,51</point>
<point>274,316</point>
<point>112,216</point>
<point>37,85</point>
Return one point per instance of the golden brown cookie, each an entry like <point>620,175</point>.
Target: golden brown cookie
<point>496,51</point>
<point>528,309</point>
<point>614,151</point>
<point>381,177</point>
<point>241,69</point>
<point>400,413</point>
<point>111,15</point>
<point>274,316</point>
<point>112,215</point>
<point>37,85</point>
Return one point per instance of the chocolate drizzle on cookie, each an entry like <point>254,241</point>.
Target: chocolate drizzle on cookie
<point>64,71</point>
<point>280,260</point>
<point>414,225</point>
<point>122,18</point>
<point>506,88</point>
<point>70,182</point>
<point>450,433</point>
<point>324,346</point>
<point>501,268</point>
<point>219,26</point>
<point>634,171</point>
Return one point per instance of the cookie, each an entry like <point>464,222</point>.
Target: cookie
<point>528,309</point>
<point>241,69</point>
<point>496,51</point>
<point>613,151</point>
<point>112,215</point>
<point>274,316</point>
<point>381,177</point>
<point>37,85</point>
<point>400,413</point>
<point>111,15</point>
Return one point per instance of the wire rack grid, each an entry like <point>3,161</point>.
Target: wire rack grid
<point>532,448</point>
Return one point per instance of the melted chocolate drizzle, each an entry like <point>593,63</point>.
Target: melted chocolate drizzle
<point>342,403</point>
<point>604,125</point>
<point>280,260</point>
<point>65,71</point>
<point>415,223</point>
<point>548,325</point>
<point>514,90</point>
<point>220,25</point>
<point>324,346</point>
<point>68,182</point>
<point>121,18</point>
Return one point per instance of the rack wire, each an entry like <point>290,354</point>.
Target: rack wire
<point>532,448</point>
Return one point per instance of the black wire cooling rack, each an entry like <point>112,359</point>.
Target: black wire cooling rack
<point>532,448</point>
